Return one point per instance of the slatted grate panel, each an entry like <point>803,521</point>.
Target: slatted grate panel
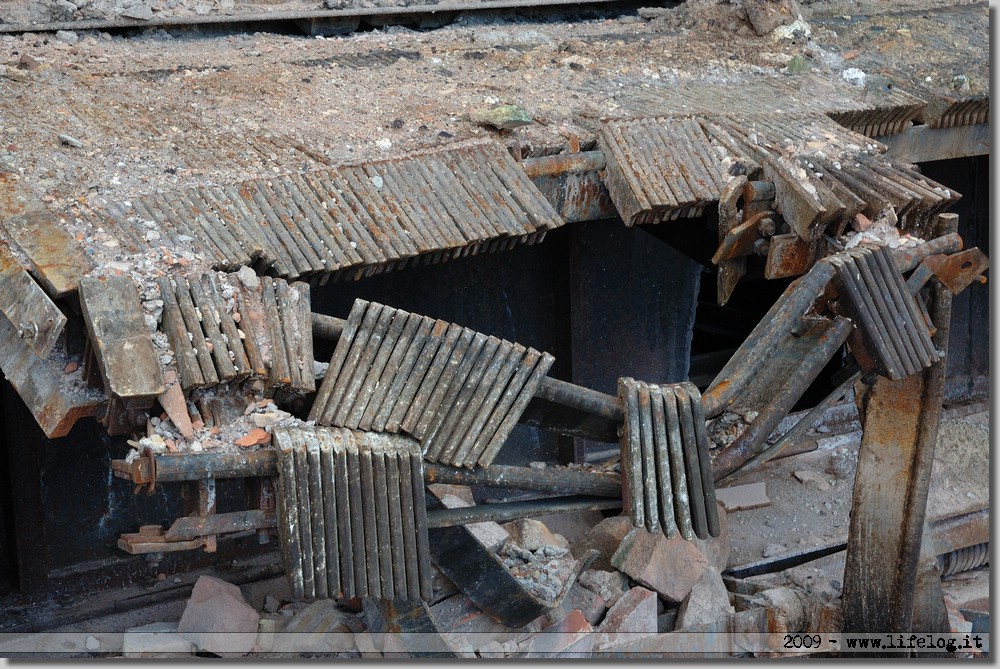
<point>352,514</point>
<point>350,221</point>
<point>894,337</point>
<point>222,332</point>
<point>667,482</point>
<point>660,169</point>
<point>457,391</point>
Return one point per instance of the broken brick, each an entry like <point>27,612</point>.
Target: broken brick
<point>218,619</point>
<point>570,637</point>
<point>531,534</point>
<point>254,437</point>
<point>741,497</point>
<point>605,537</point>
<point>156,640</point>
<point>175,405</point>
<point>588,602</point>
<point>632,616</point>
<point>707,603</point>
<point>766,15</point>
<point>671,567</point>
<point>610,585</point>
<point>717,549</point>
<point>817,479</point>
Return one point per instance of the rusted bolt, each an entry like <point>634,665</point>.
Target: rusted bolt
<point>767,227</point>
<point>28,330</point>
<point>761,247</point>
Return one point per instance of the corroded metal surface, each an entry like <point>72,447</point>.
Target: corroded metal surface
<point>351,514</point>
<point>667,480</point>
<point>35,317</point>
<point>457,391</point>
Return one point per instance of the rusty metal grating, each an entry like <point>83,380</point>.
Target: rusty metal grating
<point>667,481</point>
<point>892,336</point>
<point>228,332</point>
<point>662,169</point>
<point>457,391</point>
<point>349,221</point>
<point>352,515</point>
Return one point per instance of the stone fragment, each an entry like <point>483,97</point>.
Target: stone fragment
<point>248,278</point>
<point>632,616</point>
<point>610,585</point>
<point>815,478</point>
<point>502,117</point>
<point>218,619</point>
<point>570,637</point>
<point>319,628</point>
<point>707,602</point>
<point>268,631</point>
<point>741,497</point>
<point>156,640</point>
<point>173,402</point>
<point>771,550</point>
<point>531,534</point>
<point>271,604</point>
<point>67,36</point>
<point>766,15</point>
<point>605,537</point>
<point>138,10</point>
<point>669,566</point>
<point>458,614</point>
<point>269,418</point>
<point>491,534</point>
<point>254,437</point>
<point>92,643</point>
<point>717,549</point>
<point>588,602</point>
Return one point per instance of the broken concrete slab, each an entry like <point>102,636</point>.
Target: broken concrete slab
<point>610,585</point>
<point>531,534</point>
<point>671,567</point>
<point>605,537</point>
<point>156,640</point>
<point>740,497</point>
<point>632,616</point>
<point>707,603</point>
<point>218,619</point>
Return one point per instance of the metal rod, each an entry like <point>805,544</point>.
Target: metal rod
<point>584,161</point>
<point>504,511</point>
<point>558,481</point>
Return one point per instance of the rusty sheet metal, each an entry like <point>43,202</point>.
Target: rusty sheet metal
<point>662,169</point>
<point>892,337</point>
<point>667,482</point>
<point>959,270</point>
<point>120,338</point>
<point>221,329</point>
<point>354,220</point>
<point>457,391</point>
<point>38,321</point>
<point>352,517</point>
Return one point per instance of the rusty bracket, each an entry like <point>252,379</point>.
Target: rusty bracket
<point>956,271</point>
<point>192,532</point>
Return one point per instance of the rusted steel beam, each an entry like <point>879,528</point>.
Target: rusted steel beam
<point>557,481</point>
<point>900,420</point>
<point>502,512</point>
<point>563,163</point>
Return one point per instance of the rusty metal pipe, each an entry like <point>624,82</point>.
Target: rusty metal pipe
<point>504,511</point>
<point>327,327</point>
<point>564,163</point>
<point>908,259</point>
<point>558,481</point>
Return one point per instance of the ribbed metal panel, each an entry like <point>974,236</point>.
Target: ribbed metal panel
<point>663,168</point>
<point>457,391</point>
<point>353,220</point>
<point>220,330</point>
<point>352,515</point>
<point>667,482</point>
<point>893,334</point>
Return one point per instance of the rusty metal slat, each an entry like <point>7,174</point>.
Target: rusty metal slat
<point>363,352</point>
<point>667,492</point>
<point>331,517</point>
<point>894,280</point>
<point>872,328</point>
<point>116,219</point>
<point>487,191</point>
<point>420,521</point>
<point>646,188</point>
<point>275,252</point>
<point>709,156</point>
<point>692,465</point>
<point>303,256</point>
<point>408,533</point>
<point>683,155</point>
<point>381,400</point>
<point>449,408</point>
<point>154,206</point>
<point>380,491</point>
<point>288,252</point>
<point>294,216</point>
<point>631,453</point>
<point>398,188</point>
<point>383,346</point>
<point>436,222</point>
<point>319,217</point>
<point>359,535</point>
<point>340,355</point>
<point>461,362</point>
<point>303,317</point>
<point>288,514</point>
<point>305,518</point>
<point>460,181</point>
<point>210,284</point>
<point>171,205</point>
<point>287,332</point>
<point>441,335</point>
<point>346,511</point>
<point>527,393</point>
<point>650,497</point>
<point>470,229</point>
<point>26,305</point>
<point>696,178</point>
<point>522,387</point>
<point>354,196</point>
<point>353,227</point>
<point>454,345</point>
<point>439,214</point>
<point>173,324</point>
<point>220,235</point>
<point>483,402</point>
<point>249,326</point>
<point>872,276</point>
<point>704,459</point>
<point>145,209</point>
<point>194,327</point>
<point>317,520</point>
<point>381,223</point>
<point>543,214</point>
<point>213,331</point>
<point>405,373</point>
<point>249,236</point>
<point>279,374</point>
<point>369,506</point>
<point>394,207</point>
<point>396,529</point>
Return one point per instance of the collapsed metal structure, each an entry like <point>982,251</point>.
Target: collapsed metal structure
<point>406,399</point>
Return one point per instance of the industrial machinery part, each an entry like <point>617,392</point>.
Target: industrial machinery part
<point>352,516</point>
<point>964,559</point>
<point>667,480</point>
<point>457,391</point>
